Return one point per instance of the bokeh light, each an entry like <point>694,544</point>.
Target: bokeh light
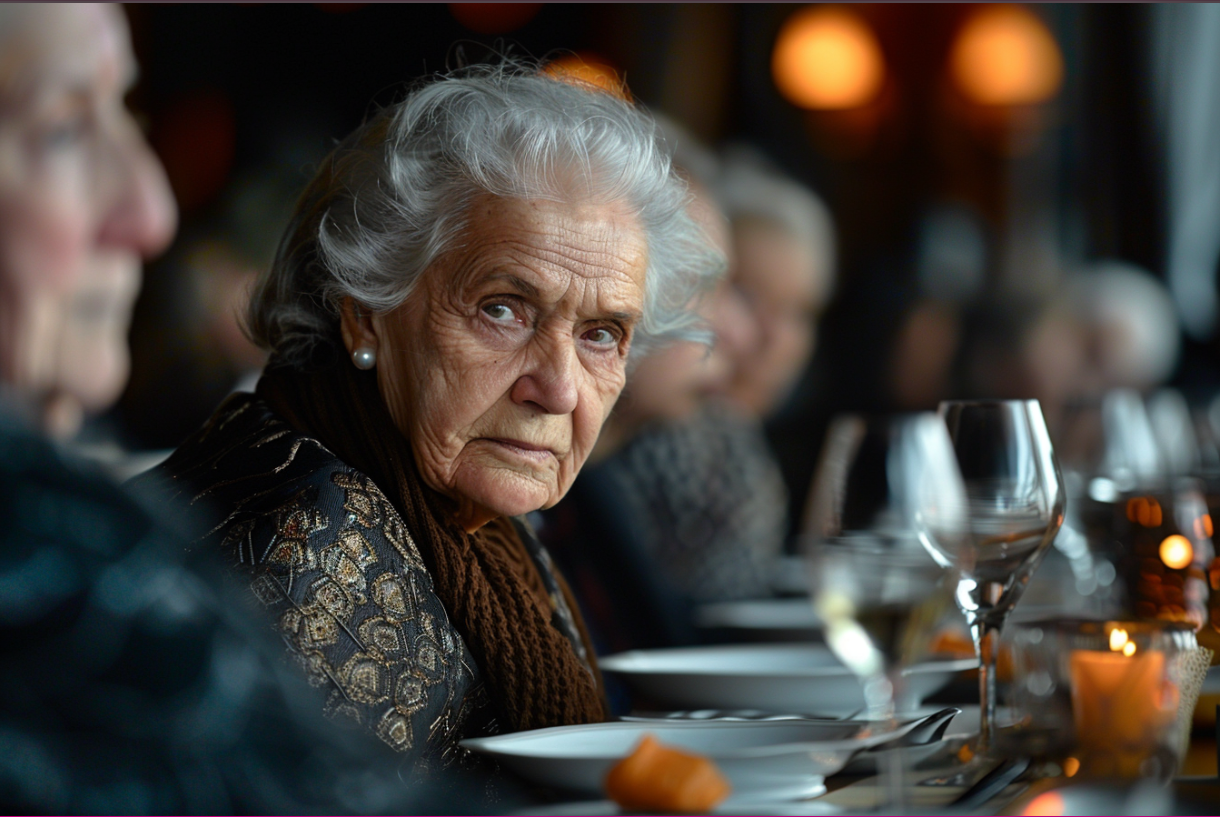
<point>827,58</point>
<point>1047,803</point>
<point>590,68</point>
<point>1144,510</point>
<point>494,18</point>
<point>1005,55</point>
<point>1177,552</point>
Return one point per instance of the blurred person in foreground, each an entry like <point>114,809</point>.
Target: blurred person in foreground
<point>449,319</point>
<point>131,679</point>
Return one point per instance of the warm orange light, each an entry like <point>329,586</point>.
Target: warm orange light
<point>494,18</point>
<point>591,69</point>
<point>1144,510</point>
<point>1005,55</point>
<point>1203,526</point>
<point>1177,552</point>
<point>1047,803</point>
<point>827,58</point>
<point>1070,766</point>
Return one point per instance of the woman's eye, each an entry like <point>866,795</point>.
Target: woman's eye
<point>601,337</point>
<point>500,312</point>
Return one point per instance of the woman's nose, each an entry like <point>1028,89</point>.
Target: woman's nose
<point>142,214</point>
<point>550,382</point>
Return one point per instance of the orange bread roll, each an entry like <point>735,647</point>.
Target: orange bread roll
<point>659,778</point>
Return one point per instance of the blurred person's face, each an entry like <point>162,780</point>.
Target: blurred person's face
<point>784,289</point>
<point>1056,357</point>
<point>82,202</point>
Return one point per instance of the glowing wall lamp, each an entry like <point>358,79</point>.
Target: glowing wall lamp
<point>827,58</point>
<point>1005,55</point>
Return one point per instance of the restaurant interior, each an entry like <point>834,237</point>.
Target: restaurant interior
<point>956,556</point>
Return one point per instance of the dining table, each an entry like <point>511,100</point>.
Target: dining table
<point>934,760</point>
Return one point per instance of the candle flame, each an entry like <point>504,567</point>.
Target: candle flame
<point>1118,639</point>
<point>1129,649</point>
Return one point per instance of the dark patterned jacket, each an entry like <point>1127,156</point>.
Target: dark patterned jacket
<point>139,676</point>
<point>332,563</point>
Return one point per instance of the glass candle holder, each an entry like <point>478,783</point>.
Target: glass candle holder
<point>1101,698</point>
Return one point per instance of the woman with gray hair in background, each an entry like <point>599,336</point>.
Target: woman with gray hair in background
<point>449,318</point>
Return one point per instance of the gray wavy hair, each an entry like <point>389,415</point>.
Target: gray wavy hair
<point>394,196</point>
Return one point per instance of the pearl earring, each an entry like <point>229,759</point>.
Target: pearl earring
<point>365,357</point>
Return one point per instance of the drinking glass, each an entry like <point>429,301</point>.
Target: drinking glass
<point>883,486</point>
<point>1014,507</point>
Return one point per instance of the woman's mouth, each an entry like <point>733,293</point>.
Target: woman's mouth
<point>526,450</point>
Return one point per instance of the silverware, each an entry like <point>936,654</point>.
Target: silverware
<point>992,783</point>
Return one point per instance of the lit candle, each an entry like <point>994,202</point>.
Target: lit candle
<point>1121,700</point>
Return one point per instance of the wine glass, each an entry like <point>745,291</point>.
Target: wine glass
<point>1015,505</point>
<point>883,486</point>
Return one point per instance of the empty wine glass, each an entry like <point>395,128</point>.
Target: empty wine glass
<point>1015,506</point>
<point>883,486</point>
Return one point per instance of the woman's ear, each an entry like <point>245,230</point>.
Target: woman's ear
<point>356,325</point>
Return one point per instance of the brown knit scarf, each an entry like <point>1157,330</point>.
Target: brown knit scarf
<point>487,580</point>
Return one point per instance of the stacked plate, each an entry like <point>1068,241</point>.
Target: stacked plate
<point>790,678</point>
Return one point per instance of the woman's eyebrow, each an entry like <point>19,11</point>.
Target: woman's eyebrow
<point>517,282</point>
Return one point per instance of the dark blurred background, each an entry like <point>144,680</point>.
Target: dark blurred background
<point>974,156</point>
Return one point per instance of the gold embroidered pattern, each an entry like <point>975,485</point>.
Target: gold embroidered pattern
<point>382,638</point>
<point>352,599</point>
<point>395,729</point>
<point>389,596</point>
<point>344,571</point>
<point>364,679</point>
<point>332,598</point>
<point>362,498</point>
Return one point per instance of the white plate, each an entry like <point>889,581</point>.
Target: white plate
<point>797,678</point>
<point>762,760</point>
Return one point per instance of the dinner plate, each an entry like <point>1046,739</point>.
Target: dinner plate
<point>790,678</point>
<point>762,760</point>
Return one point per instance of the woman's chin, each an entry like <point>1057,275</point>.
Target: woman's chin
<point>503,492</point>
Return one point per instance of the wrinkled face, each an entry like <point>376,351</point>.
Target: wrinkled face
<point>784,289</point>
<point>82,202</point>
<point>502,365</point>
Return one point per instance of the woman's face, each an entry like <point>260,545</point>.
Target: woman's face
<point>503,364</point>
<point>82,202</point>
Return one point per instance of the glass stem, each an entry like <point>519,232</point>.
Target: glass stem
<point>987,644</point>
<point>893,769</point>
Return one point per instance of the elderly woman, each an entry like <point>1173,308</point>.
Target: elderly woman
<point>449,317</point>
